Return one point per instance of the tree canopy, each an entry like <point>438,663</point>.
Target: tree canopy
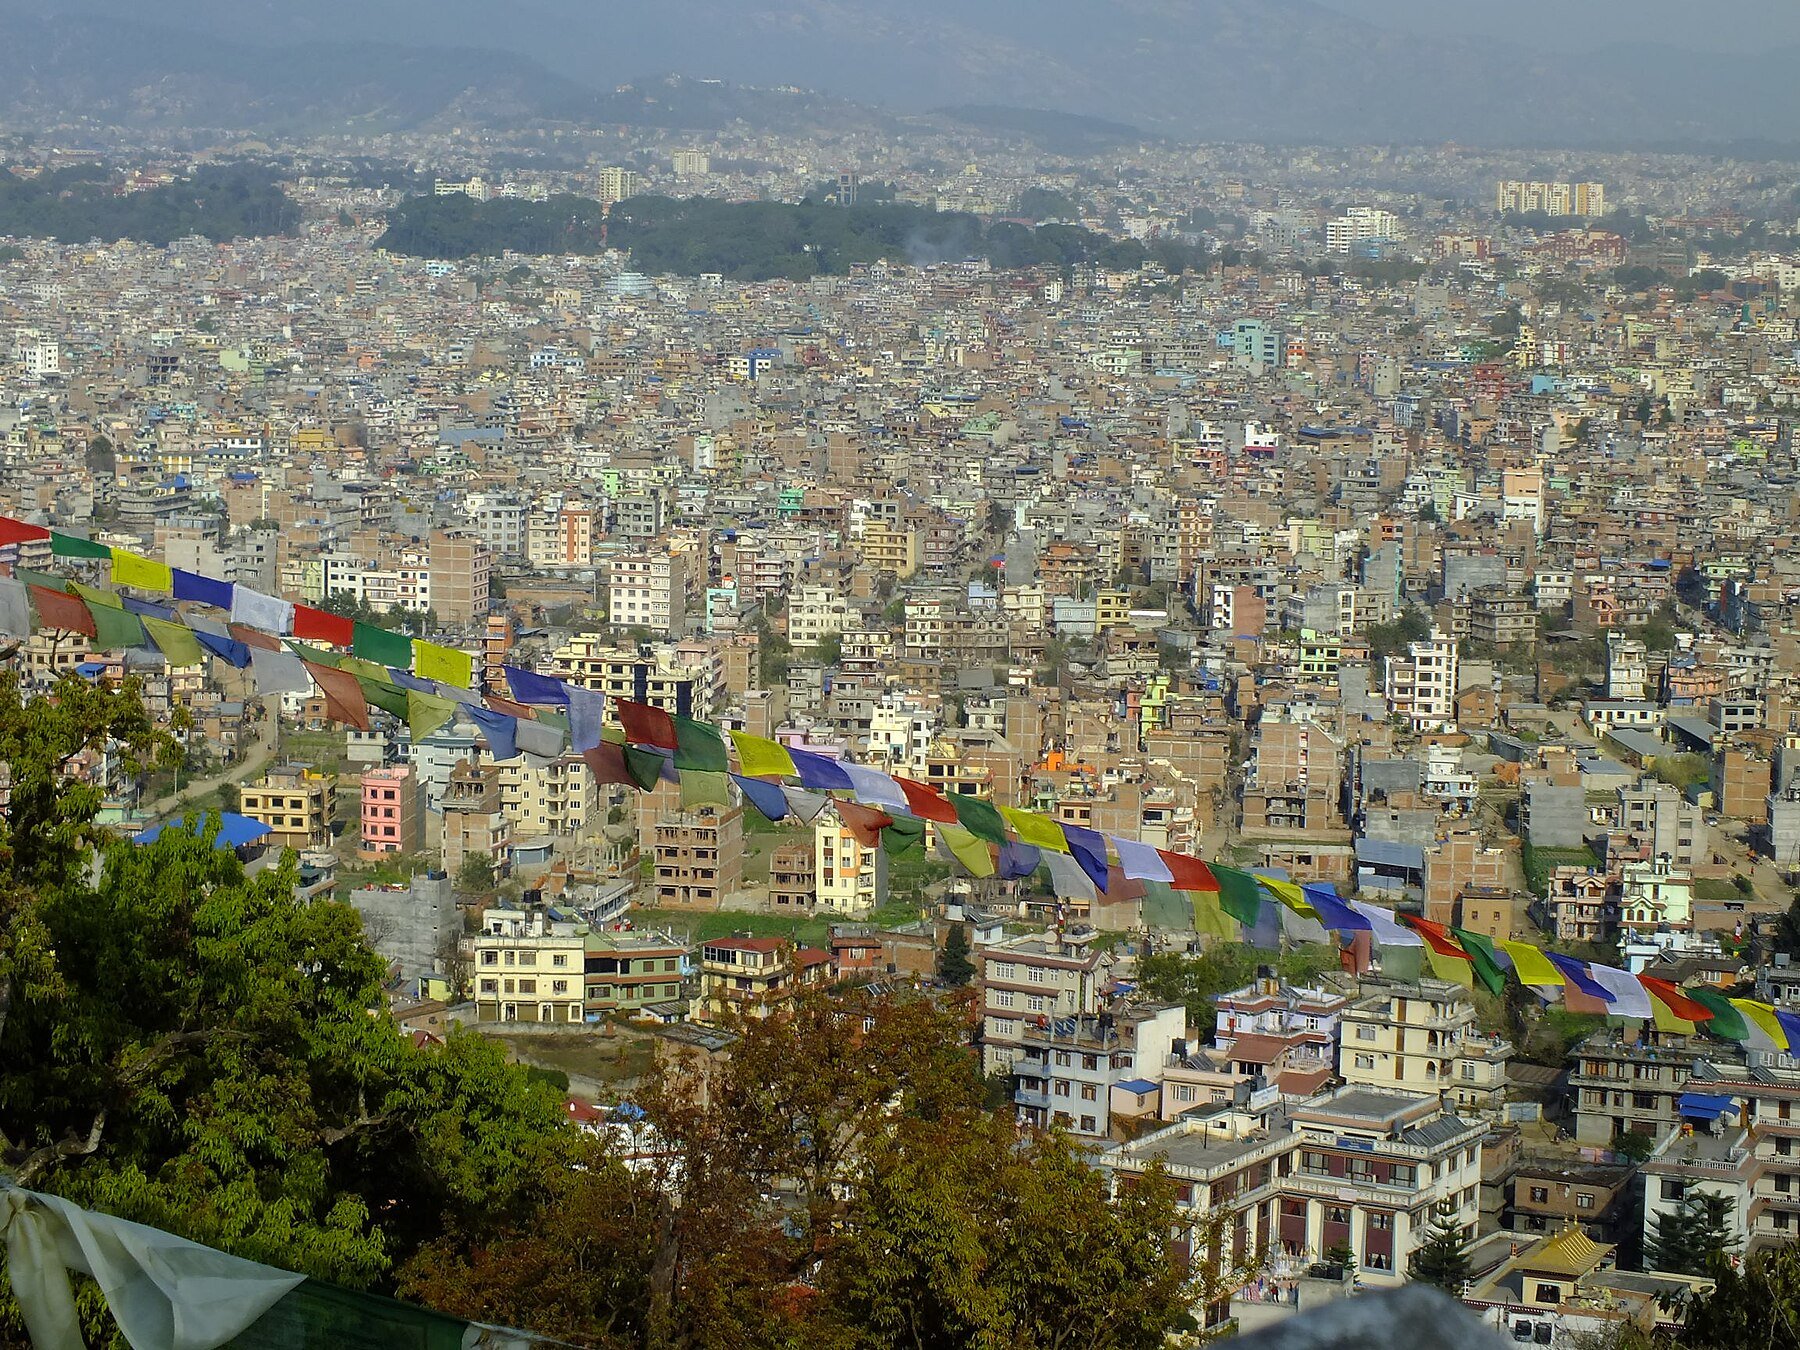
<point>79,203</point>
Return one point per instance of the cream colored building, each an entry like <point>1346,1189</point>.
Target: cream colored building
<point>848,877</point>
<point>1422,1038</point>
<point>529,968</point>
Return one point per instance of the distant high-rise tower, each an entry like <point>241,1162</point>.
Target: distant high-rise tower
<point>617,184</point>
<point>846,189</point>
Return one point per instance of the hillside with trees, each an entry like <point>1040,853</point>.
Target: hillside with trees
<point>757,241</point>
<point>83,203</point>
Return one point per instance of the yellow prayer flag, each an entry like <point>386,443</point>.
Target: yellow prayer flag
<point>95,596</point>
<point>1532,966</point>
<point>1034,829</point>
<point>1450,968</point>
<point>971,852</point>
<point>1668,1021</point>
<point>444,664</point>
<point>133,569</point>
<point>1762,1017</point>
<point>1289,894</point>
<point>1210,917</point>
<point>762,758</point>
<point>425,713</point>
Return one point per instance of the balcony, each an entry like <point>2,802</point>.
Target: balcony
<point>1346,1188</point>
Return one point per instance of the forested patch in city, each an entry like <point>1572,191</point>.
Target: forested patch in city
<point>757,241</point>
<point>84,202</point>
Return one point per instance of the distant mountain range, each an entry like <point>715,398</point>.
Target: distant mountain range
<point>1288,70</point>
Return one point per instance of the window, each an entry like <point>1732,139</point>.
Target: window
<point>1364,1032</point>
<point>1001,970</point>
<point>1087,1124</point>
<point>490,958</point>
<point>1584,1199</point>
<point>1061,1087</point>
<point>528,986</point>
<point>1036,974</point>
<point>1673,1190</point>
<point>559,986</point>
<point>1365,1061</point>
<point>1381,1223</point>
<point>1336,1214</point>
<point>1088,1093</point>
<point>559,959</point>
<point>1003,998</point>
<point>1548,1293</point>
<point>1540,1195</point>
<point>490,986</point>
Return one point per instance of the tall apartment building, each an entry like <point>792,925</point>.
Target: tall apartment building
<point>648,590</point>
<point>391,811</point>
<point>1421,686</point>
<point>1553,199</point>
<point>295,803</point>
<point>461,571</point>
<point>684,678</point>
<point>815,612</point>
<point>564,538</point>
<point>699,857</point>
<point>1055,974</point>
<point>1359,225</point>
<point>848,877</point>
<point>558,798</point>
<point>689,163</point>
<point>1622,1086</point>
<point>1422,1038</point>
<point>615,184</point>
<point>1069,1067</point>
<point>1361,1167</point>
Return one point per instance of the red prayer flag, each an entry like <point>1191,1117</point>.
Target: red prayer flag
<point>1188,874</point>
<point>316,625</point>
<point>1357,954</point>
<point>1577,1002</point>
<point>1121,887</point>
<point>1679,1003</point>
<point>254,637</point>
<point>511,709</point>
<point>64,612</point>
<point>18,532</point>
<point>607,763</point>
<point>927,803</point>
<point>343,695</point>
<point>865,822</point>
<point>645,725</point>
<point>1437,937</point>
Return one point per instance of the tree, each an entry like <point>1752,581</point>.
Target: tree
<point>1443,1258</point>
<point>1757,1304</point>
<point>476,875</point>
<point>1634,1145</point>
<point>954,967</point>
<point>1682,1241</point>
<point>101,459</point>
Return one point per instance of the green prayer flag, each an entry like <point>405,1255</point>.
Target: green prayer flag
<point>384,694</point>
<point>1210,917</point>
<point>699,746</point>
<point>425,713</point>
<point>176,642</point>
<point>116,629</point>
<point>1487,965</point>
<point>1727,1021</point>
<point>1240,895</point>
<point>95,596</point>
<point>644,766</point>
<point>319,656</point>
<point>1402,963</point>
<point>906,833</point>
<point>384,648</point>
<point>703,787</point>
<point>978,816</point>
<point>70,546</point>
<point>48,580</point>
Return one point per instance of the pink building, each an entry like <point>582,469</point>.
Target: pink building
<point>390,811</point>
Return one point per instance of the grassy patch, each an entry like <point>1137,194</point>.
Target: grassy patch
<point>1540,862</point>
<point>1718,889</point>
<point>706,927</point>
<point>606,1059</point>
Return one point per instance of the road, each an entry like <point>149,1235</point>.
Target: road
<point>268,734</point>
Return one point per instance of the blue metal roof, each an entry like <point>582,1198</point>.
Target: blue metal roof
<point>1138,1085</point>
<point>234,830</point>
<point>1384,853</point>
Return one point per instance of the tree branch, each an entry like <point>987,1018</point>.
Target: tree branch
<point>336,1134</point>
<point>42,1160</point>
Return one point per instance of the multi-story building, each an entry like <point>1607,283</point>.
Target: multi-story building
<point>1421,686</point>
<point>1360,1168</point>
<point>1553,199</point>
<point>849,877</point>
<point>559,798</point>
<point>1623,1087</point>
<point>754,977</point>
<point>1286,1035</point>
<point>1422,1037</point>
<point>1360,224</point>
<point>391,811</point>
<point>648,590</point>
<point>814,613</point>
<point>1664,824</point>
<point>295,803</point>
<point>699,857</point>
<point>684,678</point>
<point>1060,974</point>
<point>628,972</point>
<point>1069,1067</point>
<point>528,967</point>
<point>461,569</point>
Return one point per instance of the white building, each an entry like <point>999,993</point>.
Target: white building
<point>1421,686</point>
<point>847,876</point>
<point>648,590</point>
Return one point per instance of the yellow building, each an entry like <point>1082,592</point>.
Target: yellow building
<point>886,549</point>
<point>529,968</point>
<point>1422,1038</point>
<point>294,803</point>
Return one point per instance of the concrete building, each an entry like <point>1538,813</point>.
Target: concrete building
<point>1421,686</point>
<point>391,813</point>
<point>627,972</point>
<point>1057,974</point>
<point>1422,1038</point>
<point>1068,1068</point>
<point>295,803</point>
<point>1360,1167</point>
<point>528,967</point>
<point>755,977</point>
<point>648,590</point>
<point>699,857</point>
<point>849,877</point>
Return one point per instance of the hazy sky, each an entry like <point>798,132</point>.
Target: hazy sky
<point>1708,25</point>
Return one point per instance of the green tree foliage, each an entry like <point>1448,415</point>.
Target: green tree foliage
<point>1443,1258</point>
<point>954,967</point>
<point>1196,980</point>
<point>191,1047</point>
<point>909,1215</point>
<point>476,875</point>
<point>1036,203</point>
<point>1684,1240</point>
<point>755,241</point>
<point>78,204</point>
<point>1392,639</point>
<point>1756,1304</point>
